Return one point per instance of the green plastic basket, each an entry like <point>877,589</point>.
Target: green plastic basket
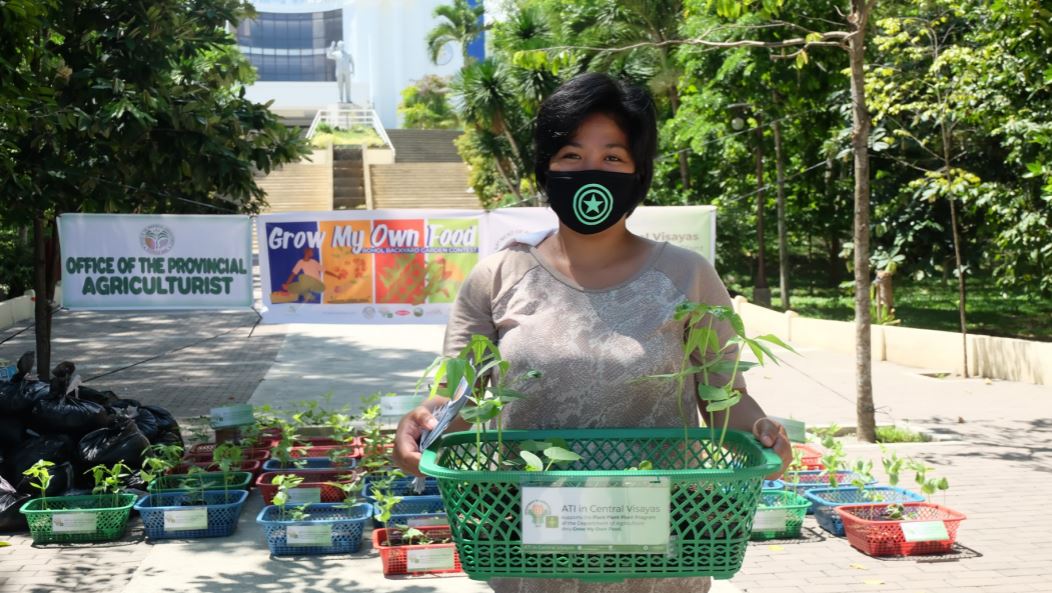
<point>77,518</point>
<point>780,515</point>
<point>484,505</point>
<point>210,481</point>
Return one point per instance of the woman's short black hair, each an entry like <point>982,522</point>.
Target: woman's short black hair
<point>631,107</point>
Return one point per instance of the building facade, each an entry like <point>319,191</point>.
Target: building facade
<point>289,41</point>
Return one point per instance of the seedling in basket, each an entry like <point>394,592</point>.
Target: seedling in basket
<point>704,355</point>
<point>480,363</point>
<point>351,486</point>
<point>286,482</point>
<point>159,460</point>
<point>384,502</point>
<point>554,452</point>
<point>110,481</point>
<point>39,471</point>
<point>282,451</point>
<point>228,457</point>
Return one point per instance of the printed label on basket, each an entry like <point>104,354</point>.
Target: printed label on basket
<point>418,559</point>
<point>186,520</point>
<point>597,515</point>
<point>427,521</point>
<point>398,405</point>
<point>309,535</point>
<point>304,495</point>
<point>74,522</point>
<point>924,531</point>
<point>770,520</point>
<point>238,415</point>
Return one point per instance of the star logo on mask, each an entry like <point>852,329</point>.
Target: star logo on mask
<point>592,204</point>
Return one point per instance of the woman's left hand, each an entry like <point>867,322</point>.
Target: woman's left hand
<point>772,434</point>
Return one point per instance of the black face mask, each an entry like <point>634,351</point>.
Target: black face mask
<point>590,201</point>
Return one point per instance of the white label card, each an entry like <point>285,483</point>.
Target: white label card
<point>418,559</point>
<point>924,531</point>
<point>186,520</point>
<point>304,496</point>
<point>770,520</point>
<point>599,515</point>
<point>309,535</point>
<point>426,521</point>
<point>74,522</point>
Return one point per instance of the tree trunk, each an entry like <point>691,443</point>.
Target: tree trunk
<point>860,147</point>
<point>684,170</point>
<point>41,311</point>
<point>783,242</point>
<point>960,286</point>
<point>761,294</point>
<point>504,176</point>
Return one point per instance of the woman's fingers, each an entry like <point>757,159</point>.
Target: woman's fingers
<point>772,434</point>
<point>407,436</point>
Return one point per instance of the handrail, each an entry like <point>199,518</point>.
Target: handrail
<point>345,118</point>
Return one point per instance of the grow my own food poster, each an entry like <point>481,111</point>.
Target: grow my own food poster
<point>378,266</point>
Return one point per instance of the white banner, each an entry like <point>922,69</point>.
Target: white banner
<point>406,266</point>
<point>145,261</point>
<point>690,227</point>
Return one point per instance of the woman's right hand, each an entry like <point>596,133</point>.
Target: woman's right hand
<point>407,436</point>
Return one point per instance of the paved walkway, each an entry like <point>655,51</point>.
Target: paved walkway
<point>999,462</point>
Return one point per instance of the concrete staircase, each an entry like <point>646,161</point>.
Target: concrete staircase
<point>425,146</point>
<point>421,185</point>
<point>348,178</point>
<point>306,185</point>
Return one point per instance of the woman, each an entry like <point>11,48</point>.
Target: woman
<point>591,306</point>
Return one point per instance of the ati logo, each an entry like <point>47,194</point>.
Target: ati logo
<point>157,239</point>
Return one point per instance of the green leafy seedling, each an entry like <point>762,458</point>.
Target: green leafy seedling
<point>285,483</point>
<point>110,481</point>
<point>39,471</point>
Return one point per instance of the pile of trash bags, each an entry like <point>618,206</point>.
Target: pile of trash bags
<point>73,426</point>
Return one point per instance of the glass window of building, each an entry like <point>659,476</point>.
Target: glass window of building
<point>291,47</point>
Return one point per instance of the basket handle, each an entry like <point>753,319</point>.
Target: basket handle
<point>772,461</point>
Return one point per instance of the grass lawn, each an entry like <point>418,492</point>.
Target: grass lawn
<point>990,310</point>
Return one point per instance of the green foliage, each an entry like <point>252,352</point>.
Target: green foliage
<point>16,275</point>
<point>110,481</point>
<point>459,24</point>
<point>158,460</point>
<point>325,135</point>
<point>425,105</point>
<point>39,471</point>
<point>285,483</point>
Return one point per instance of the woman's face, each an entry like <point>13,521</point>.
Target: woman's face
<point>598,144</point>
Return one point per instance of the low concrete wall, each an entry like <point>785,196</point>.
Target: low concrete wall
<point>988,356</point>
<point>17,310</point>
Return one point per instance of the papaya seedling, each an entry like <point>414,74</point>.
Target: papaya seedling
<point>159,460</point>
<point>228,457</point>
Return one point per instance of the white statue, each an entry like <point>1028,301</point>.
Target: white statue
<point>344,69</point>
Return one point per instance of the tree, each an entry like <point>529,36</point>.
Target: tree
<point>461,25</point>
<point>130,108</point>
<point>425,105</point>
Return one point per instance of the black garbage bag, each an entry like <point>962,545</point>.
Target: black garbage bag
<point>25,364</point>
<point>144,419</point>
<point>169,437</point>
<point>62,479</point>
<point>11,433</point>
<point>10,501</point>
<point>103,398</point>
<point>56,448</point>
<point>165,420</point>
<point>63,413</point>
<point>20,397</point>
<point>121,441</point>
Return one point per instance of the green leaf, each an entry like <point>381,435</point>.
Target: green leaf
<point>776,341</point>
<point>533,463</point>
<point>560,454</point>
<point>712,393</point>
<point>719,406</point>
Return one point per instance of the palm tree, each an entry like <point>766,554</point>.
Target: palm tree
<point>462,25</point>
<point>484,97</point>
